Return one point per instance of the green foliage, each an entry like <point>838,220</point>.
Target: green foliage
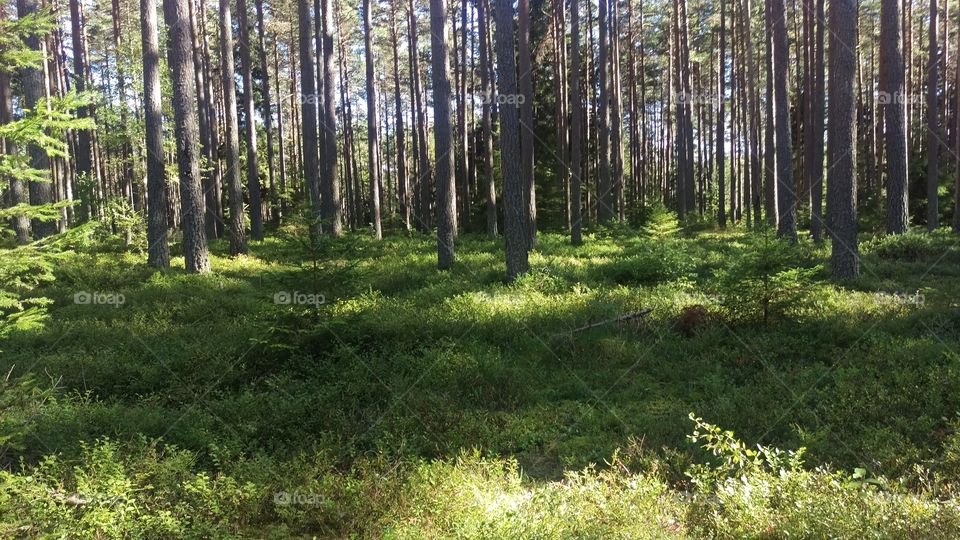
<point>766,279</point>
<point>22,271</point>
<point>14,54</point>
<point>365,410</point>
<point>913,246</point>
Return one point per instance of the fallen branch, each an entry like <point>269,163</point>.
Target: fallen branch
<point>621,319</point>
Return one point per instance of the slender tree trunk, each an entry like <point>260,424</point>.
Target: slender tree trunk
<point>526,123</point>
<point>329,183</point>
<point>933,128</point>
<point>249,108</point>
<point>443,135</point>
<point>33,87</point>
<point>279,200</point>
<point>721,101</point>
<point>158,252</point>
<point>403,185</point>
<point>373,135</point>
<point>891,67</point>
<point>17,194</point>
<point>842,156</point>
<point>267,109</point>
<point>515,215</point>
<point>238,240</point>
<point>576,124</point>
<point>769,145</point>
<point>616,121</point>
<point>82,155</point>
<point>486,89</point>
<point>787,198</point>
<point>180,57</point>
<point>463,166</point>
<point>605,193</point>
<point>308,114</point>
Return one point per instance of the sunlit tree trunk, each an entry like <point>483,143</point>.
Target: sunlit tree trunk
<point>891,67</point>
<point>180,57</point>
<point>842,149</point>
<point>443,135</point>
<point>238,240</point>
<point>158,251</point>
<point>515,215</point>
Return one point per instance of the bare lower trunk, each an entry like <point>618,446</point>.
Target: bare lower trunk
<point>180,57</point>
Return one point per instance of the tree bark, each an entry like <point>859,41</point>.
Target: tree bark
<point>526,123</point>
<point>238,240</point>
<point>576,124</point>
<point>443,135</point>
<point>403,185</point>
<point>933,128</point>
<point>329,183</point>
<point>786,194</point>
<point>373,135</point>
<point>308,115</point>
<point>267,109</point>
<point>158,251</point>
<point>891,67</point>
<point>486,122</point>
<point>515,214</point>
<point>721,99</point>
<point>249,113</point>
<point>33,87</point>
<point>605,189</point>
<point>180,56</point>
<point>842,156</point>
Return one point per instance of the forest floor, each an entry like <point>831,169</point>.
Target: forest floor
<point>350,388</point>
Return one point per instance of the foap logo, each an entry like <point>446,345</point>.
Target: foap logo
<point>901,299</point>
<point>298,298</point>
<point>97,298</point>
<point>295,498</point>
<point>489,98</point>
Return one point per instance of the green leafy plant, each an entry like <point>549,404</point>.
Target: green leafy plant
<point>768,278</point>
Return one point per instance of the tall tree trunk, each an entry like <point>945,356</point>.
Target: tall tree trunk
<point>82,155</point>
<point>486,89</point>
<point>158,252</point>
<point>515,215</point>
<point>249,113</point>
<point>769,147</point>
<point>17,194</point>
<point>238,241</point>
<point>721,99</point>
<point>403,185</point>
<point>462,157</point>
<point>329,183</point>
<point>526,123</point>
<point>616,121</point>
<point>576,125</point>
<point>180,56</point>
<point>786,194</point>
<point>422,187</point>
<point>605,193</point>
<point>267,109</point>
<point>281,203</point>
<point>373,136</point>
<point>308,115</point>
<point>842,150</point>
<point>891,67</point>
<point>443,135</point>
<point>933,128</point>
<point>33,85</point>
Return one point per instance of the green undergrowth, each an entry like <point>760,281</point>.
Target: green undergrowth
<point>384,398</point>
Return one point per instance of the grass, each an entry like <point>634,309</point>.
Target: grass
<point>413,403</point>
